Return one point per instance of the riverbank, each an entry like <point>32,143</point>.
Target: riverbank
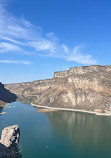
<point>3,104</point>
<point>74,110</point>
<point>1,113</point>
<point>46,110</point>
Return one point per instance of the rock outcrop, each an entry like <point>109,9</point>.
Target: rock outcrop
<point>10,136</point>
<point>86,88</point>
<point>8,143</point>
<point>6,96</point>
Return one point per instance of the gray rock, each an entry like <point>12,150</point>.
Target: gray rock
<point>8,143</point>
<point>10,136</point>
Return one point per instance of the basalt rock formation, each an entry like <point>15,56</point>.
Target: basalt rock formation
<point>8,142</point>
<point>86,88</point>
<point>6,96</point>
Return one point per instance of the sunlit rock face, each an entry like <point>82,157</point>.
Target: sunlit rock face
<point>10,136</point>
<point>8,142</point>
<point>85,88</point>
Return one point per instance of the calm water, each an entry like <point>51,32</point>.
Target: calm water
<point>59,134</point>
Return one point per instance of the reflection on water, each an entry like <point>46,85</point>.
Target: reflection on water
<point>1,110</point>
<point>59,134</point>
<point>83,131</point>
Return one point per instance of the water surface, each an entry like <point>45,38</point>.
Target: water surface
<point>59,134</point>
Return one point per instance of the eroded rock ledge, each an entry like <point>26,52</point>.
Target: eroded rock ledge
<point>8,142</point>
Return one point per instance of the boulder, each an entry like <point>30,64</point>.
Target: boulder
<point>8,142</point>
<point>10,136</point>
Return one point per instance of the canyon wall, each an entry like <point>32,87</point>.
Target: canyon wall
<point>6,96</point>
<point>85,88</point>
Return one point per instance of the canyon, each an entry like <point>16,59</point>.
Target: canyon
<point>86,88</point>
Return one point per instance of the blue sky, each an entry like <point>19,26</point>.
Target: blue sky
<point>39,37</point>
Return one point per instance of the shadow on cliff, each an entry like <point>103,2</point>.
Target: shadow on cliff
<point>6,152</point>
<point>6,96</point>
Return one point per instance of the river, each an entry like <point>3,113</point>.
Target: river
<point>59,134</point>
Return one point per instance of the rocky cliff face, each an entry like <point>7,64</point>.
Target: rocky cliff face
<point>6,96</point>
<point>86,88</point>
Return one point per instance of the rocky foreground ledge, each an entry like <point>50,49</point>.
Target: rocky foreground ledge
<point>8,142</point>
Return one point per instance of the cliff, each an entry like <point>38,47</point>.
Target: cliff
<point>6,96</point>
<point>86,88</point>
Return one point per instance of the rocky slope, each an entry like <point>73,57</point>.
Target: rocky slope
<point>86,88</point>
<point>6,96</point>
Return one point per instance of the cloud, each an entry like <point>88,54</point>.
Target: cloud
<point>15,62</point>
<point>6,47</point>
<point>20,35</point>
<point>11,40</point>
<point>79,58</point>
<point>65,48</point>
<point>43,45</point>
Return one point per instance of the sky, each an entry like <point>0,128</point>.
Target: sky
<point>39,37</point>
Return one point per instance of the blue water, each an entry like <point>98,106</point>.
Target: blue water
<point>59,134</point>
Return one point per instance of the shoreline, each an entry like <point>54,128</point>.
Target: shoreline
<point>1,113</point>
<point>46,110</point>
<point>2,106</point>
<point>73,110</point>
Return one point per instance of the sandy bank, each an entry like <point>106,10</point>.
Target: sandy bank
<point>46,110</point>
<point>2,113</point>
<point>75,110</point>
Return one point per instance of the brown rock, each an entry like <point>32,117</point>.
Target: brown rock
<point>86,88</point>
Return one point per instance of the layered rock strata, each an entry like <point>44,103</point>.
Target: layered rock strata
<point>86,88</point>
